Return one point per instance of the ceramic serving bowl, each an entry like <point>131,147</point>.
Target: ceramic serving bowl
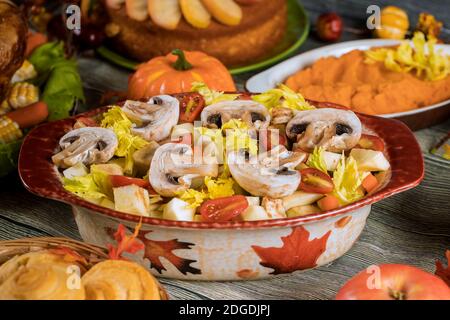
<point>230,250</point>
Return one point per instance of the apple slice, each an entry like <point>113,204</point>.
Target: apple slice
<point>165,13</point>
<point>179,210</point>
<point>195,13</point>
<point>225,11</point>
<point>253,213</point>
<point>370,160</point>
<point>136,9</point>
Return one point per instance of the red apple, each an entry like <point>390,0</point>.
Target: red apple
<point>329,26</point>
<point>394,282</point>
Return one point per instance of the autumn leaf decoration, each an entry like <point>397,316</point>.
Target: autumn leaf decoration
<point>155,250</point>
<point>125,243</point>
<point>69,255</point>
<point>297,252</point>
<point>444,273</point>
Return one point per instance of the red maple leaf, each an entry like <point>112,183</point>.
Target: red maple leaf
<point>441,272</point>
<point>297,252</point>
<point>155,250</point>
<point>124,243</point>
<point>68,254</point>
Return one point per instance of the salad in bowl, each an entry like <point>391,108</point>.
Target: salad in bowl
<point>208,156</point>
<point>224,186</point>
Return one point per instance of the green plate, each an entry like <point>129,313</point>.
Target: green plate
<point>296,33</point>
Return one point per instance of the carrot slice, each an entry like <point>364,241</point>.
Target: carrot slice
<point>34,40</point>
<point>370,183</point>
<point>329,202</point>
<point>30,115</point>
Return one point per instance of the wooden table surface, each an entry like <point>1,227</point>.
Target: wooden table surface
<point>410,228</point>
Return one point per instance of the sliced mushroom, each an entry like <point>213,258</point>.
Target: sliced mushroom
<point>254,114</point>
<point>173,168</point>
<point>334,129</point>
<point>155,118</point>
<point>281,115</point>
<point>86,145</point>
<point>271,174</point>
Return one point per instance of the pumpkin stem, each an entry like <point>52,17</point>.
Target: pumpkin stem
<point>181,64</point>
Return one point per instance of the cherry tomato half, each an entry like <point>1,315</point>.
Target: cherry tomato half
<point>272,137</point>
<point>223,209</point>
<point>121,181</point>
<point>368,141</point>
<point>191,104</point>
<point>315,181</point>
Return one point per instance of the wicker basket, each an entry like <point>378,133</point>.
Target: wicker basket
<point>92,253</point>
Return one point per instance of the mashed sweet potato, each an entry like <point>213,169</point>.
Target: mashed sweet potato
<point>366,88</point>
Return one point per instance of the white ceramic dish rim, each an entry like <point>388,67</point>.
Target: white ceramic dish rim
<point>269,78</point>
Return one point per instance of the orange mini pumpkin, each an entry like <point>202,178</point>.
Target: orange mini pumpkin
<point>394,23</point>
<point>176,72</point>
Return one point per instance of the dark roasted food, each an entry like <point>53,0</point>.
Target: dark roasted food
<point>13,30</point>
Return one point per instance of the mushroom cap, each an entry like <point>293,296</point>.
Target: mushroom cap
<point>271,175</point>
<point>86,145</point>
<point>334,129</point>
<point>155,118</point>
<point>173,168</point>
<point>254,114</point>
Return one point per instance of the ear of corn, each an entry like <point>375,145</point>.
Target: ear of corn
<point>9,130</point>
<point>25,72</point>
<point>4,107</point>
<point>22,94</point>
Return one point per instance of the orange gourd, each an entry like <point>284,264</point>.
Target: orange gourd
<point>394,23</point>
<point>175,73</point>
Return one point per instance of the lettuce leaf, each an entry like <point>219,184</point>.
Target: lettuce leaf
<point>347,181</point>
<point>235,124</point>
<point>212,96</point>
<point>117,120</point>
<point>293,100</point>
<point>215,188</point>
<point>9,153</point>
<point>44,56</point>
<point>102,180</point>
<point>193,197</point>
<point>270,99</point>
<point>423,58</point>
<point>219,187</point>
<point>316,160</point>
<point>237,137</point>
<point>283,96</point>
<point>62,85</point>
<point>212,141</point>
<point>86,187</point>
<point>240,139</point>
